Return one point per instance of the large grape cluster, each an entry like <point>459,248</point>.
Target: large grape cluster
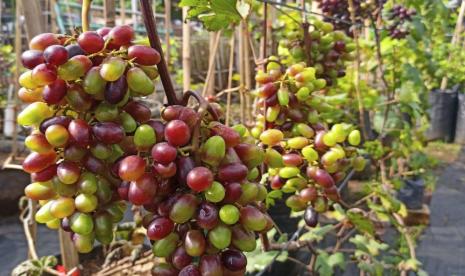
<point>325,50</point>
<point>85,114</point>
<point>199,187</point>
<point>399,16</point>
<point>338,13</point>
<point>304,156</point>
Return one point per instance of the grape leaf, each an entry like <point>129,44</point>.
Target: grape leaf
<point>362,223</point>
<point>215,15</point>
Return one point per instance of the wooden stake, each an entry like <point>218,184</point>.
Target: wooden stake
<point>69,255</point>
<point>247,73</point>
<point>109,10</point>
<point>211,65</point>
<point>230,78</point>
<point>134,13</point>
<point>85,14</point>
<point>34,24</point>
<point>186,51</point>
<point>455,40</point>
<point>167,29</point>
<point>241,71</point>
<point>122,7</point>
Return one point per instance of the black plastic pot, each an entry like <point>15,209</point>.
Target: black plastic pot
<point>412,193</point>
<point>442,113</point>
<point>460,125</point>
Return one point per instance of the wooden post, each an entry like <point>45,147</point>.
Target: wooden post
<point>210,78</point>
<point>134,13</point>
<point>241,71</point>
<point>230,75</point>
<point>455,40</point>
<point>247,73</point>
<point>211,60</point>
<point>53,16</point>
<point>34,24</point>
<point>122,4</point>
<point>109,10</point>
<point>167,30</point>
<point>186,51</point>
<point>18,49</point>
<point>69,255</point>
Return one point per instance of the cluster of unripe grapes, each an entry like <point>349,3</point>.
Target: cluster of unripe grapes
<point>338,12</point>
<point>304,156</point>
<point>328,51</point>
<point>82,93</point>
<point>399,16</point>
<point>198,183</point>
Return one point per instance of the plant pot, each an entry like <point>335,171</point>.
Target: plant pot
<point>427,196</point>
<point>442,113</point>
<point>412,193</point>
<point>14,181</point>
<point>460,125</point>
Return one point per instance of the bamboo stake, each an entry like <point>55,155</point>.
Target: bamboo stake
<point>247,72</point>
<point>53,16</point>
<point>210,84</point>
<point>167,29</point>
<point>211,65</point>
<point>230,76</point>
<point>241,72</point>
<point>186,51</point>
<point>134,13</point>
<point>69,255</point>
<point>85,14</point>
<point>455,40</point>
<point>18,46</point>
<point>109,10</point>
<point>122,7</point>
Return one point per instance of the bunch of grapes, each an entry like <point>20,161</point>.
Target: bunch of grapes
<point>304,156</point>
<point>337,12</point>
<point>328,51</point>
<point>82,92</point>
<point>399,16</point>
<point>198,184</point>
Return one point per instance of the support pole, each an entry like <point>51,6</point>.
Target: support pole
<point>167,29</point>
<point>186,51</point>
<point>69,255</point>
<point>109,10</point>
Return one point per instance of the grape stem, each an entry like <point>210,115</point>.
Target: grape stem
<point>154,38</point>
<point>85,14</point>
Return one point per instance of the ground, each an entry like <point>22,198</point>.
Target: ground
<point>441,248</point>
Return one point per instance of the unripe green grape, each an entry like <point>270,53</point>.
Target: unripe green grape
<point>144,136</point>
<point>101,151</point>
<point>253,174</point>
<point>164,247</point>
<point>220,236</point>
<point>303,94</point>
<point>229,214</point>
<point>272,113</point>
<point>128,122</point>
<point>288,172</point>
<point>305,130</point>
<point>215,193</point>
<point>283,96</point>
<point>241,129</point>
<point>106,112</point>
<point>34,114</point>
<point>310,154</point>
<point>329,139</point>
<point>359,163</point>
<point>87,183</point>
<point>94,83</point>
<point>43,215</point>
<point>82,224</point>
<point>139,82</point>
<point>112,68</point>
<point>354,137</point>
<point>319,84</point>
<point>53,224</point>
<point>249,193</point>
<point>273,158</point>
<point>297,142</point>
<point>62,207</point>
<point>26,80</point>
<point>256,131</point>
<point>271,137</point>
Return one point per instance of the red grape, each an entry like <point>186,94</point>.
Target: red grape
<point>56,55</point>
<point>159,228</point>
<point>199,179</point>
<point>121,35</point>
<point>143,55</point>
<point>163,153</point>
<point>131,168</point>
<point>55,92</point>
<point>32,58</point>
<point>143,189</point>
<point>177,133</point>
<point>90,42</point>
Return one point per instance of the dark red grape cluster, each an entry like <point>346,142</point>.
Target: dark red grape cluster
<point>337,12</point>
<point>399,16</point>
<point>198,184</point>
<point>326,50</point>
<point>304,156</point>
<point>82,92</point>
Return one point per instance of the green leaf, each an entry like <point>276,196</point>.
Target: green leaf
<point>326,263</point>
<point>243,8</point>
<point>317,233</point>
<point>360,222</point>
<point>226,8</point>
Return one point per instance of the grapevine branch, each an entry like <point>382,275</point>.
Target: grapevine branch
<point>149,21</point>
<point>85,14</point>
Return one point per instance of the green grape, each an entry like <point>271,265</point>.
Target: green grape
<point>112,68</point>
<point>106,112</point>
<point>93,83</point>
<point>144,137</point>
<point>34,114</point>
<point>128,122</point>
<point>354,138</point>
<point>139,82</point>
<point>229,214</point>
<point>215,193</point>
